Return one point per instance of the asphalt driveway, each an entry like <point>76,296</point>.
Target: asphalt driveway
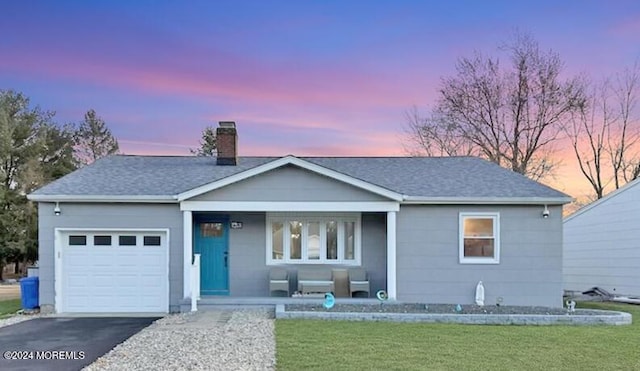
<point>64,343</point>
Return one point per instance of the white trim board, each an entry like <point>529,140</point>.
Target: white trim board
<point>102,198</point>
<point>413,200</point>
<point>291,160</point>
<point>187,243</point>
<point>495,216</point>
<point>381,206</point>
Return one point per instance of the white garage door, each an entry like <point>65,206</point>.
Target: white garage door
<point>107,271</point>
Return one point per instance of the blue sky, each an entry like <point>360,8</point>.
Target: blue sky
<point>307,78</point>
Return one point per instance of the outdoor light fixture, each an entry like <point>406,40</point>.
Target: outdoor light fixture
<point>545,212</point>
<point>56,210</point>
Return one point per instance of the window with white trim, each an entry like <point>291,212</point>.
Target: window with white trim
<point>479,238</point>
<point>313,239</point>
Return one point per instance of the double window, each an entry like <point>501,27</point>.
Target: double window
<point>109,240</point>
<point>479,238</point>
<point>309,239</point>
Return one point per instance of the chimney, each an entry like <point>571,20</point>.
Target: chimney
<point>227,143</point>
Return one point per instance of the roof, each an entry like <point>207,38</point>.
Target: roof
<point>417,178</point>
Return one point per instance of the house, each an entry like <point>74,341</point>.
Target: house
<point>601,244</point>
<point>120,235</point>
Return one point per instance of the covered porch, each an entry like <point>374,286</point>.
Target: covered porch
<point>230,249</point>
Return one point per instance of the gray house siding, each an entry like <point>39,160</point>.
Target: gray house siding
<point>289,183</point>
<point>109,216</point>
<point>601,245</point>
<point>248,271</point>
<point>374,249</point>
<point>248,275</point>
<point>530,268</point>
<point>428,270</point>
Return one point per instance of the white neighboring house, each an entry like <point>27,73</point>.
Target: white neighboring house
<point>602,244</point>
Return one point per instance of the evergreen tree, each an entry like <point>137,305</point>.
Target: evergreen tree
<point>33,152</point>
<point>93,140</point>
<point>207,143</point>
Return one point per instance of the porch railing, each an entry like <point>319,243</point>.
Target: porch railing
<point>195,282</point>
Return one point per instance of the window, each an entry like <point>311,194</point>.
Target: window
<point>332,240</point>
<point>151,240</point>
<point>313,239</point>
<point>127,240</point>
<point>349,240</point>
<point>102,240</point>
<point>277,241</point>
<point>295,240</point>
<point>211,229</point>
<point>77,240</point>
<point>479,238</point>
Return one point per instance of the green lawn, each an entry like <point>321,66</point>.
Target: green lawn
<point>341,345</point>
<point>8,307</point>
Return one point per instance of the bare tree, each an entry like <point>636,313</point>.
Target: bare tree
<point>605,133</point>
<point>624,133</point>
<point>589,133</point>
<point>434,136</point>
<point>508,115</point>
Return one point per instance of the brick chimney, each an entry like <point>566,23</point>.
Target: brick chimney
<point>227,143</point>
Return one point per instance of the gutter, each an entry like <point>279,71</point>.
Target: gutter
<point>412,200</point>
<point>97,199</point>
<point>405,199</point>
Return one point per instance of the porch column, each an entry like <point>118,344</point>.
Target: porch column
<point>187,235</point>
<point>391,254</point>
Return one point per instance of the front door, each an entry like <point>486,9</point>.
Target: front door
<point>211,241</point>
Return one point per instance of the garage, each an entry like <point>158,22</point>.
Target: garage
<point>112,271</point>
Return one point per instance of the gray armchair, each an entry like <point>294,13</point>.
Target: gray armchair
<point>278,280</point>
<point>358,281</point>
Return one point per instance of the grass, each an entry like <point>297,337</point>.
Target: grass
<point>342,345</point>
<point>9,307</point>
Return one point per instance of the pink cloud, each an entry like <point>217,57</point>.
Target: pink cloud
<point>224,76</point>
<point>357,149</point>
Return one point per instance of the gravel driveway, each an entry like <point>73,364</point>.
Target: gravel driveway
<point>205,340</point>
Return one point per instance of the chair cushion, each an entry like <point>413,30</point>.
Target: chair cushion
<point>278,274</point>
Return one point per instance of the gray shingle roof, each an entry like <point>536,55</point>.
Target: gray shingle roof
<point>413,176</point>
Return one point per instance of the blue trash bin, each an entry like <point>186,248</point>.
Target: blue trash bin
<point>29,292</point>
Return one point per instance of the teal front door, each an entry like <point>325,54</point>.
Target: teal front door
<point>211,241</point>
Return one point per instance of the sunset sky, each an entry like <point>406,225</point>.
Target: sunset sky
<point>298,77</point>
